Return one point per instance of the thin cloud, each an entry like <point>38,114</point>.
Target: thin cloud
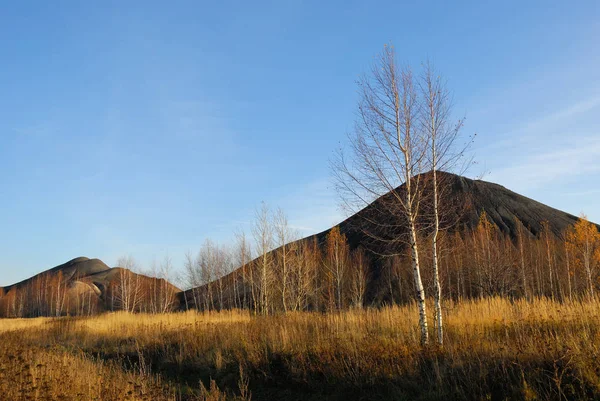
<point>540,169</point>
<point>531,133</point>
<point>566,113</point>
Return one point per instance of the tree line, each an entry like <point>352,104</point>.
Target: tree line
<point>55,294</point>
<point>277,271</point>
<point>299,275</point>
<point>485,262</point>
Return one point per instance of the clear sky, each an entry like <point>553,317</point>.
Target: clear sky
<point>143,128</point>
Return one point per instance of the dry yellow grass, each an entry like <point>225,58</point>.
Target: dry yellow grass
<point>494,348</point>
<point>7,325</point>
<point>34,373</point>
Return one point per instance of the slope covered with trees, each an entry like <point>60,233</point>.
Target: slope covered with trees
<point>493,241</point>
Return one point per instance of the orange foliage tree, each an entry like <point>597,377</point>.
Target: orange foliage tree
<point>583,242</point>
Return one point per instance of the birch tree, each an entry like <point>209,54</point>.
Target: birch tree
<point>206,266</point>
<point>222,268</point>
<point>164,292</point>
<point>284,235</point>
<point>59,293</point>
<point>128,286</point>
<point>521,241</point>
<point>388,149</point>
<point>445,154</point>
<point>243,256</point>
<point>193,280</point>
<point>546,237</point>
<point>263,238</point>
<point>359,271</point>
<point>337,263</point>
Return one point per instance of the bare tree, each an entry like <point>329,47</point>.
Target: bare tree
<point>223,266</point>
<point>129,287</point>
<point>263,237</point>
<point>164,292</point>
<point>59,293</point>
<point>206,267</point>
<point>546,237</point>
<point>243,255</point>
<point>359,277</point>
<point>284,235</point>
<point>388,149</point>
<point>521,241</point>
<point>336,263</point>
<point>305,274</point>
<point>192,276</point>
<point>444,154</point>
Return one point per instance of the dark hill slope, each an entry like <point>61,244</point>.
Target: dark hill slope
<point>467,199</point>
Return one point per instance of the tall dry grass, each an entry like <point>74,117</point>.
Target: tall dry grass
<point>494,349</point>
<point>29,372</point>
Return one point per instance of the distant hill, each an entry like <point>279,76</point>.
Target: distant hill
<point>72,270</point>
<point>81,286</point>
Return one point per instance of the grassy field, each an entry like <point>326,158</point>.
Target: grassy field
<point>494,350</point>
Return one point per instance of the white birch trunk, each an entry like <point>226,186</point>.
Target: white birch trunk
<point>436,275</point>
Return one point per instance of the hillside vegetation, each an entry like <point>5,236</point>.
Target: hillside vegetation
<point>495,349</point>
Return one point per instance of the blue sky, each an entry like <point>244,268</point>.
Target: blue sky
<point>143,128</point>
